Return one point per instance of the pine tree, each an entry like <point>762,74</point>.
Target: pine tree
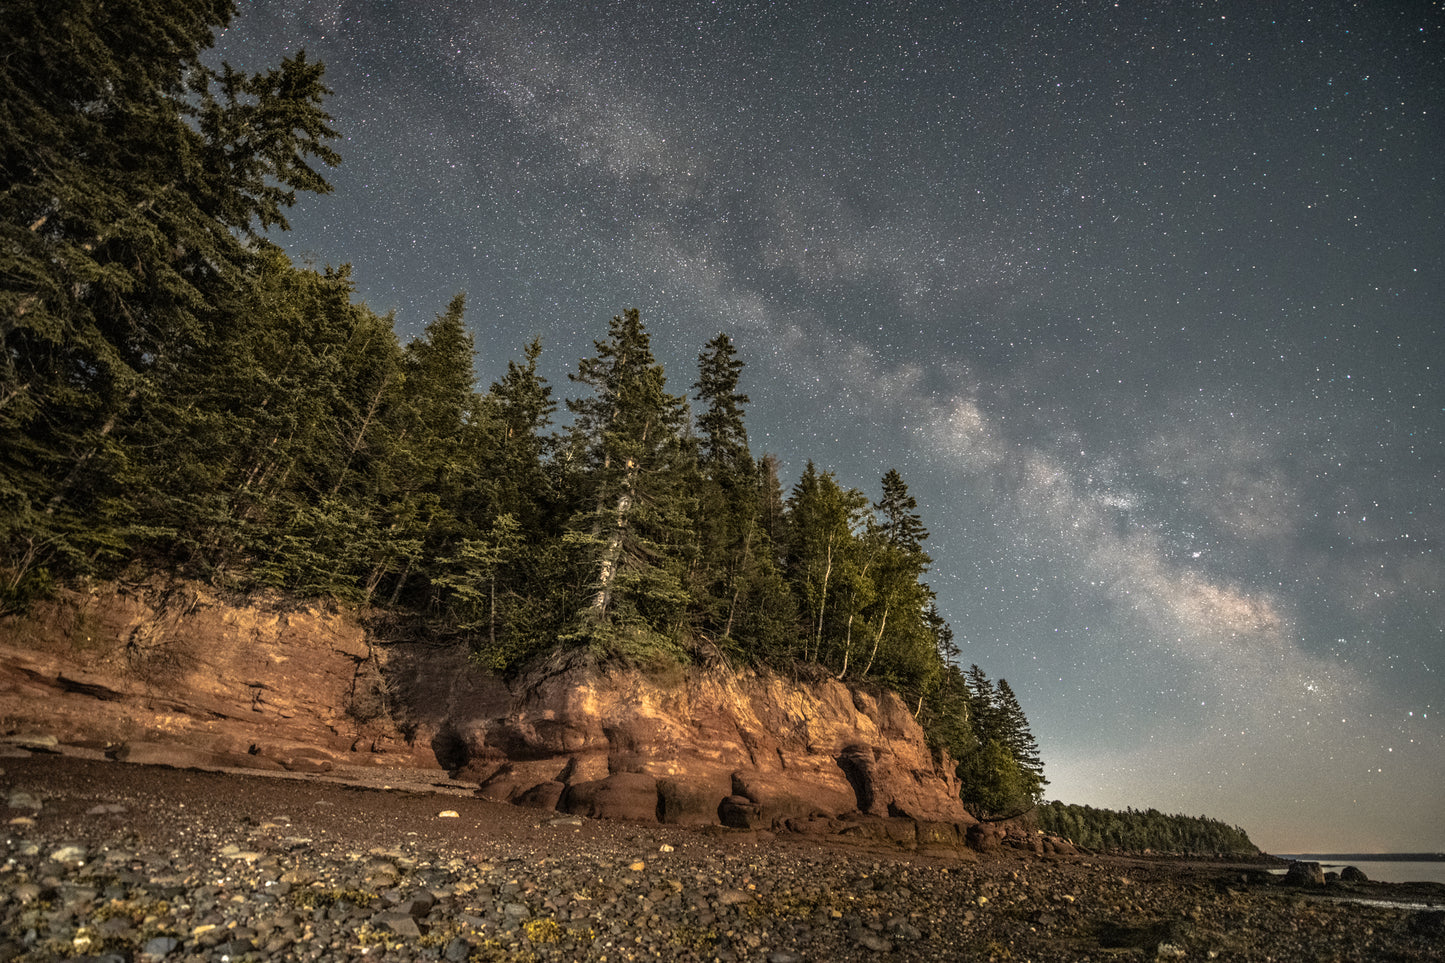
<point>900,523</point>
<point>1004,774</point>
<point>436,456</point>
<point>499,575</point>
<point>738,592</point>
<point>522,409</point>
<point>897,619</point>
<point>1016,735</point>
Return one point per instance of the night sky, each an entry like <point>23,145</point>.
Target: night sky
<point>1144,301</point>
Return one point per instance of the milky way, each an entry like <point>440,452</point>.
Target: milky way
<point>1142,299</point>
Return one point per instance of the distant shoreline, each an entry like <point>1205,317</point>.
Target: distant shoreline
<point>1367,857</point>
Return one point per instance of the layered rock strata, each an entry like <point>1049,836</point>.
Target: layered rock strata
<point>742,749</point>
<point>179,674</point>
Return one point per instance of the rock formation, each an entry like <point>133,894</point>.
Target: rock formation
<point>698,747</point>
<point>179,674</point>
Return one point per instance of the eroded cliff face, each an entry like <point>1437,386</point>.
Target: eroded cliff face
<point>699,747</point>
<point>179,674</point>
<point>176,672</point>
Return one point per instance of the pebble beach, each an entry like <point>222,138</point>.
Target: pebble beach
<point>117,862</point>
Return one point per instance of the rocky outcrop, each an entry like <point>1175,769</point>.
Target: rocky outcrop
<point>178,674</point>
<point>703,747</point>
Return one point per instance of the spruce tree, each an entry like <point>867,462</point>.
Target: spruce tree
<point>436,440</point>
<point>132,174</point>
<point>632,535</point>
<point>739,595</point>
<point>903,643</point>
<point>722,439</point>
<point>1016,735</point>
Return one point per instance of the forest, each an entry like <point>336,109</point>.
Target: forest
<point>1137,831</point>
<point>178,396</point>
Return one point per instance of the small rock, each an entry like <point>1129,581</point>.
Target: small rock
<point>160,946</point>
<point>402,924</point>
<point>564,821</point>
<point>24,800</point>
<point>516,911</point>
<point>69,854</point>
<point>234,948</point>
<point>43,743</point>
<point>416,905</point>
<point>664,848</point>
<point>105,809</point>
<point>872,941</point>
<point>449,814</point>
<point>904,930</point>
<point>1168,951</point>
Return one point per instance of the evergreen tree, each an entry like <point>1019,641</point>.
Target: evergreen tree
<point>281,406</point>
<point>1004,773</point>
<point>900,523</point>
<point>132,174</point>
<point>723,441</point>
<point>522,409</point>
<point>499,576</point>
<point>738,592</point>
<point>898,617</point>
<point>304,385</point>
<point>633,534</point>
<point>435,460</point>
<point>1016,735</point>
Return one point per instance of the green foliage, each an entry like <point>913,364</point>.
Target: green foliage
<point>993,784</point>
<point>1135,831</point>
<point>631,534</point>
<point>132,174</point>
<point>983,726</point>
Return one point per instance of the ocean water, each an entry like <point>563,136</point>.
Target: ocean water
<point>1383,870</point>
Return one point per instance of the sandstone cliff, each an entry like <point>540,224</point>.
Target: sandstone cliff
<point>178,673</point>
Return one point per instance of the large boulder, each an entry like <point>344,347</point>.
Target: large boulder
<point>622,795</point>
<point>1302,873</point>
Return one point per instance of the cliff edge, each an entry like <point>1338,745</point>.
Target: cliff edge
<point>176,673</point>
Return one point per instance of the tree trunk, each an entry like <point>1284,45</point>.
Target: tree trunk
<point>876,640</point>
<point>607,570</point>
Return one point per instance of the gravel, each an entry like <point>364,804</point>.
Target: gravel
<point>108,861</point>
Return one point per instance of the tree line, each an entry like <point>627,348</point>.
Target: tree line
<point>1134,831</point>
<point>176,394</point>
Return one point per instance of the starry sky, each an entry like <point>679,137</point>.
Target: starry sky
<point>1145,301</point>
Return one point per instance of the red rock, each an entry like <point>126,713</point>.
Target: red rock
<point>178,665</point>
<point>622,795</point>
<point>544,795</point>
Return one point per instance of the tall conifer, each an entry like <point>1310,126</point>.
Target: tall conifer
<point>632,533</point>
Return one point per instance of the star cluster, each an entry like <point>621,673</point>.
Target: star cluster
<point>1142,299</point>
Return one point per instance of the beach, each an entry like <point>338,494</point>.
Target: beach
<point>104,860</point>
